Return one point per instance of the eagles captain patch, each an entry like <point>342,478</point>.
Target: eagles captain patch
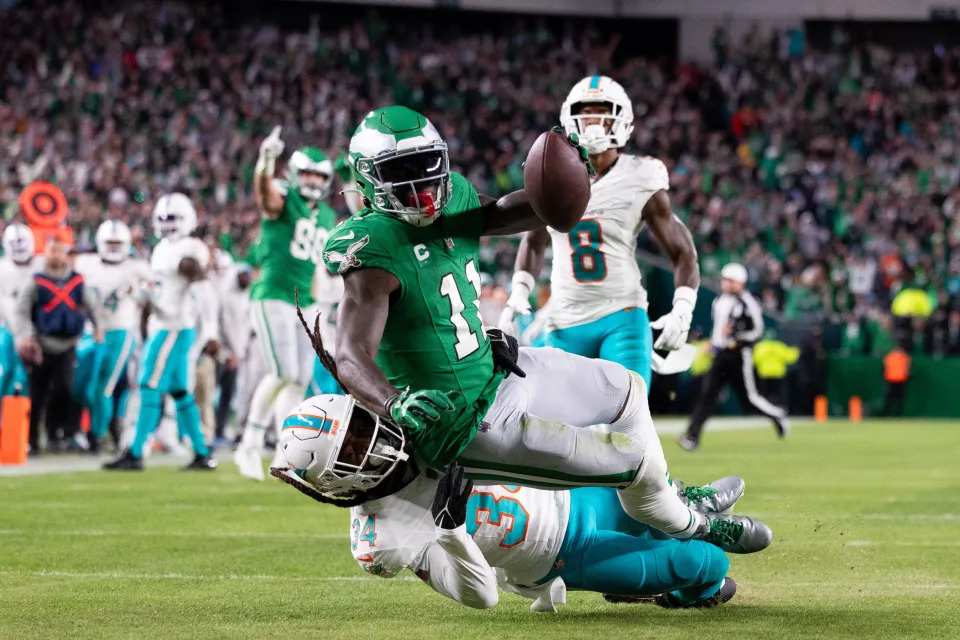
<point>349,260</point>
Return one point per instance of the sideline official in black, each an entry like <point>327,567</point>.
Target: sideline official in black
<point>737,326</point>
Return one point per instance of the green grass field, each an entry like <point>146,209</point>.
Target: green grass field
<point>867,545</point>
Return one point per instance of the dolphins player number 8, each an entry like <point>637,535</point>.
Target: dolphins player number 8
<point>589,263</point>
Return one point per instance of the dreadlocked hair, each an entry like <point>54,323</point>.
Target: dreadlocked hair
<point>351,499</point>
<point>316,341</point>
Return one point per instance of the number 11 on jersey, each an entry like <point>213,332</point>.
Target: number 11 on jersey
<point>467,340</point>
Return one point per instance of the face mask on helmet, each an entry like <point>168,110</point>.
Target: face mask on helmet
<point>18,243</point>
<point>597,137</point>
<point>169,225</point>
<point>113,241</point>
<point>413,184</point>
<point>312,185</point>
<point>337,446</point>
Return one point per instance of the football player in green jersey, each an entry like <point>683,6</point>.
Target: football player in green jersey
<point>295,222</point>
<point>411,349</point>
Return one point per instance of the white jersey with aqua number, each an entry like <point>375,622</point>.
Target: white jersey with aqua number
<point>117,287</point>
<point>518,530</point>
<point>170,292</point>
<point>13,279</point>
<point>595,270</point>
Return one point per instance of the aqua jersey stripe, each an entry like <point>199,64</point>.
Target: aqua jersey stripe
<point>595,82</point>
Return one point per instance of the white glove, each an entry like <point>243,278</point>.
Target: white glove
<point>518,303</point>
<point>675,362</point>
<point>270,150</point>
<point>675,326</point>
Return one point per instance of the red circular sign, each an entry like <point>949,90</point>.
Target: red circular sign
<point>43,204</point>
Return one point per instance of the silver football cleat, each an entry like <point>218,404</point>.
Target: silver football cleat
<point>719,496</point>
<point>735,534</point>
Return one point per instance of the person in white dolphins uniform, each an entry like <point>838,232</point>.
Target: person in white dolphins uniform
<point>598,306</point>
<point>117,282</point>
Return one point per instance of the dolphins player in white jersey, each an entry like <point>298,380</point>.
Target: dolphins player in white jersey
<point>540,541</point>
<point>17,267</point>
<point>116,281</point>
<point>178,261</point>
<point>598,308</point>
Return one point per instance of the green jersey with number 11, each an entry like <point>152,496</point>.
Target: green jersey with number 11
<point>290,249</point>
<point>434,337</point>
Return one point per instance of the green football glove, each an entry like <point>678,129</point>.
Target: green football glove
<point>574,141</point>
<point>417,410</point>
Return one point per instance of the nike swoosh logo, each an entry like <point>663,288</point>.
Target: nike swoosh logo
<point>349,236</point>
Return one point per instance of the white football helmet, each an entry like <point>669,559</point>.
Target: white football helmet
<point>313,443</point>
<point>595,137</point>
<point>174,216</point>
<point>18,242</point>
<point>313,160</point>
<point>113,241</point>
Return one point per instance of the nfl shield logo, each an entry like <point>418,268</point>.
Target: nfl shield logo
<point>449,242</point>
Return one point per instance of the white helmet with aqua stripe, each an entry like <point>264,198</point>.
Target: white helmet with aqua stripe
<point>613,130</point>
<point>336,446</point>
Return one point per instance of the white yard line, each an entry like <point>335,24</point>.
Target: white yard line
<point>173,534</point>
<point>861,589</point>
<point>116,575</point>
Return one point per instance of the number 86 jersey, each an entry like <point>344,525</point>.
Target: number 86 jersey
<point>595,270</point>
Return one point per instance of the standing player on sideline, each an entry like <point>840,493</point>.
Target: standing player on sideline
<point>294,227</point>
<point>598,308</point>
<point>178,261</point>
<point>116,281</point>
<point>17,267</point>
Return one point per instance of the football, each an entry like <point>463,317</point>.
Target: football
<point>556,181</point>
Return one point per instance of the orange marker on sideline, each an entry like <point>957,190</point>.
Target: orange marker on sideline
<point>14,429</point>
<point>820,408</point>
<point>856,409</point>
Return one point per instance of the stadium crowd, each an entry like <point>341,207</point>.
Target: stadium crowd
<point>832,175</point>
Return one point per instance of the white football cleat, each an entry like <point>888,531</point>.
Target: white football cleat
<point>248,461</point>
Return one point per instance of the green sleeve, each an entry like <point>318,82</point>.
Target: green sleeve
<point>463,217</point>
<point>352,246</point>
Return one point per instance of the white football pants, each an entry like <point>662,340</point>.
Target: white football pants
<point>575,422</point>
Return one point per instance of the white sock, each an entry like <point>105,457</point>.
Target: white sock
<point>651,499</point>
<point>261,410</point>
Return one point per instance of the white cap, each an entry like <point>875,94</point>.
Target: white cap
<point>734,271</point>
